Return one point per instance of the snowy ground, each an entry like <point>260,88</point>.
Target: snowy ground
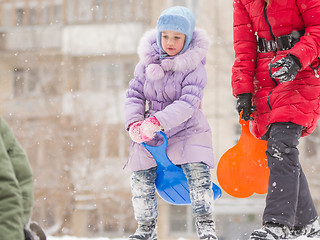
<point>76,238</point>
<point>100,238</point>
<point>103,238</point>
<point>305,238</point>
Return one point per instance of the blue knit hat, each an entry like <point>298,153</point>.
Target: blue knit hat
<point>178,19</point>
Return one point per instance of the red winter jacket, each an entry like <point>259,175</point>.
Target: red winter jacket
<point>297,101</point>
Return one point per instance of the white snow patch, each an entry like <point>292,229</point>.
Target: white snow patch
<point>78,238</point>
<point>104,238</point>
<point>305,238</point>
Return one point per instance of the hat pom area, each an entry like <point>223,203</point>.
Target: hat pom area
<point>154,72</point>
<point>167,64</point>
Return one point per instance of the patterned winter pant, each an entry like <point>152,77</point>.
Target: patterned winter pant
<point>144,198</point>
<point>289,200</point>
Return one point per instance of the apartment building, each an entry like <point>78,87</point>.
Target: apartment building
<point>65,66</point>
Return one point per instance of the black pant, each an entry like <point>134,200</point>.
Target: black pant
<point>288,200</point>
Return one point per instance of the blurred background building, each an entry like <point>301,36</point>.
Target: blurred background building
<point>64,69</point>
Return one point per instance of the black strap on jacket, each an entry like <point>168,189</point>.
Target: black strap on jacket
<point>280,43</point>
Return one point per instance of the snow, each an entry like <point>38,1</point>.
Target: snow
<point>304,238</point>
<point>76,238</point>
<point>104,238</point>
<point>99,238</point>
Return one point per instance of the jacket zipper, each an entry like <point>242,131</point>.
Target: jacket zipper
<point>274,38</point>
<point>315,70</point>
<point>267,20</point>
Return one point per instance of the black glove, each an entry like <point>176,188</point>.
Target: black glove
<point>37,231</point>
<point>290,66</point>
<point>244,104</point>
<point>27,235</point>
<point>33,231</point>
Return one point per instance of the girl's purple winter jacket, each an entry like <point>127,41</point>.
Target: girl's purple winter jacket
<point>171,89</point>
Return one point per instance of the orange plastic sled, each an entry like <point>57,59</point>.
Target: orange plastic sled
<point>243,169</point>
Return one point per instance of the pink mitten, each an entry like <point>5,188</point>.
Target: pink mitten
<point>149,127</point>
<point>135,132</point>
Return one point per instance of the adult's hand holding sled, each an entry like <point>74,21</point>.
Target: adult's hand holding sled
<point>243,169</point>
<point>171,182</point>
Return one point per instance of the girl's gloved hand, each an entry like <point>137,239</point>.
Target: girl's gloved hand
<point>149,127</point>
<point>135,132</point>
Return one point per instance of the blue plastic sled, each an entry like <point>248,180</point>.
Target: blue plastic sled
<point>171,183</point>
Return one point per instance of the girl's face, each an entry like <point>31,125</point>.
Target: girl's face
<point>172,42</point>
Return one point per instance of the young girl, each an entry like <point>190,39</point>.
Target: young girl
<point>166,94</point>
<point>277,47</point>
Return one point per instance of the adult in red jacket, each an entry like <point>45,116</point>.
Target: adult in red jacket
<point>275,78</point>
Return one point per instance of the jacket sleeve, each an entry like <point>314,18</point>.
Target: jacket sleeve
<point>11,200</point>
<point>190,100</point>
<point>24,175</point>
<point>21,167</point>
<point>245,47</point>
<point>135,102</point>
<point>308,48</point>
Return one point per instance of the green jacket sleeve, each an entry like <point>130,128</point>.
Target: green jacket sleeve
<point>16,175</point>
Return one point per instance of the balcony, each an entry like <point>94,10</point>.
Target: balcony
<point>97,39</point>
<point>77,27</point>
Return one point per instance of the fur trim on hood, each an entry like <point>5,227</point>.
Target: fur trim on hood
<point>156,65</point>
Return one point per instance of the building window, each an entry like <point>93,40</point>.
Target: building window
<point>128,73</point>
<point>6,15</point>
<point>45,19</point>
<point>57,14</point>
<point>33,18</point>
<point>110,10</point>
<point>193,5</point>
<point>84,11</point>
<point>113,141</point>
<point>51,14</point>
<point>124,11</point>
<point>24,82</point>
<point>96,76</point>
<point>141,11</point>
<point>18,82</point>
<point>50,211</point>
<point>103,76</point>
<point>113,77</point>
<point>20,13</point>
<point>179,2</point>
<point>93,221</point>
<point>98,10</point>
<point>32,80</point>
